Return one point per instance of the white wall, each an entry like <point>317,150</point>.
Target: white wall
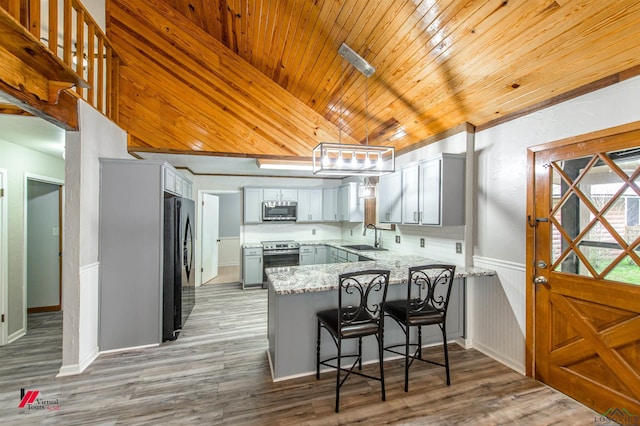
<point>500,239</point>
<point>97,137</point>
<point>18,160</point>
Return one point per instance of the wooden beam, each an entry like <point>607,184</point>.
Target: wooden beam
<point>10,109</point>
<point>64,114</point>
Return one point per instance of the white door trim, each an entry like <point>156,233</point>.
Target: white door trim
<point>199,230</point>
<point>4,260</point>
<point>27,178</point>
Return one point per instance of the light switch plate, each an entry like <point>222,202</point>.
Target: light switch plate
<point>313,232</point>
<point>459,248</point>
<point>398,239</point>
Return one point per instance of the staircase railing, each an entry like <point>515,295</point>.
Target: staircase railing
<point>68,30</point>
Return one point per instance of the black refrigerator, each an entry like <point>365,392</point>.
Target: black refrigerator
<point>178,296</point>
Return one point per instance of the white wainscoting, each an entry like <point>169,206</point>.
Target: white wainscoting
<point>497,314</point>
<point>229,251</point>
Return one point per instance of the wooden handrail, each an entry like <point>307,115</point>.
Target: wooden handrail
<point>81,45</point>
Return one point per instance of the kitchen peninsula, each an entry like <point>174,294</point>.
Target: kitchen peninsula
<point>296,293</point>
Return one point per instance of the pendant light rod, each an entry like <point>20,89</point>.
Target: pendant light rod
<point>356,60</point>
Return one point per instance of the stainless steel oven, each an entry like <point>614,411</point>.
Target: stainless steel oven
<point>276,254</point>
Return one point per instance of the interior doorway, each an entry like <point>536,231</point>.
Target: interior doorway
<point>43,242</point>
<point>4,259</point>
<point>583,259</point>
<point>226,236</point>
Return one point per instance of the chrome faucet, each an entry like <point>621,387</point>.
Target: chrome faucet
<point>376,242</point>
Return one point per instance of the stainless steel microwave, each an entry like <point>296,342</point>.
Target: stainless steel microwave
<point>279,211</point>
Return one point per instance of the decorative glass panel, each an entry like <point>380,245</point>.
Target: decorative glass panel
<point>600,213</point>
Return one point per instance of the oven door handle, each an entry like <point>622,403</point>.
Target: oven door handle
<point>280,252</point>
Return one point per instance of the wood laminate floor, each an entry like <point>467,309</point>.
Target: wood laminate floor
<point>217,372</point>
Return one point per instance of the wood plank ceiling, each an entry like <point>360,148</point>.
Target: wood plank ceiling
<point>263,77</point>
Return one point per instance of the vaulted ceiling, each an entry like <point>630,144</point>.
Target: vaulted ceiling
<point>264,78</point>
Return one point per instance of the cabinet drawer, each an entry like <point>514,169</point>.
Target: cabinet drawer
<point>306,249</point>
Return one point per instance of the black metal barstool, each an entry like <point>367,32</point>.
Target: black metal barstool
<point>361,299</point>
<point>428,291</point>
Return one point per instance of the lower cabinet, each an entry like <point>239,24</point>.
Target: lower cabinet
<point>252,267</point>
<point>313,255</point>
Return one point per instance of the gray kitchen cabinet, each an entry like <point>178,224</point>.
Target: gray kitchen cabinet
<point>253,198</point>
<point>411,195</point>
<point>307,255</point>
<point>332,255</point>
<point>330,204</point>
<point>352,257</point>
<point>442,190</point>
<point>433,191</point>
<point>310,205</point>
<point>390,198</point>
<point>319,255</point>
<point>251,267</point>
<point>280,194</point>
<point>350,207</point>
<point>131,251</point>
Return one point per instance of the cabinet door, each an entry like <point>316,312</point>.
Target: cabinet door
<point>410,196</point>
<point>310,205</point>
<point>271,194</point>
<point>253,205</point>
<point>330,204</point>
<point>390,198</point>
<point>252,269</point>
<point>352,257</point>
<point>288,194</point>
<point>169,180</point>
<point>320,255</point>
<point>343,203</point>
<point>431,184</point>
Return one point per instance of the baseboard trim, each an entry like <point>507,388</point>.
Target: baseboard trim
<point>512,364</point>
<point>40,309</point>
<point>130,348</point>
<point>16,335</point>
<point>75,369</point>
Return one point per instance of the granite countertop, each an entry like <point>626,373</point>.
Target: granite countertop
<point>324,277</point>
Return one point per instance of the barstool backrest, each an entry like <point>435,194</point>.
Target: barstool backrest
<point>361,296</point>
<point>429,286</point>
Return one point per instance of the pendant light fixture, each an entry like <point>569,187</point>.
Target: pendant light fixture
<point>340,159</point>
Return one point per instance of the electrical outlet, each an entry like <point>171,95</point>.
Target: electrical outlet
<point>313,232</point>
<point>398,239</point>
<point>351,232</point>
<point>459,248</point>
<point>421,242</point>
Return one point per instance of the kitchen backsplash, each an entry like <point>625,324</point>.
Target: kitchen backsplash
<point>440,243</point>
<point>291,231</point>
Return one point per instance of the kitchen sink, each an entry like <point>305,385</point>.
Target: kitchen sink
<point>363,247</point>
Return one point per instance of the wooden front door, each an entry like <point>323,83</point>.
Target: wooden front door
<point>584,252</point>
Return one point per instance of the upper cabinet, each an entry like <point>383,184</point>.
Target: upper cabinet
<point>442,188</point>
<point>253,198</point>
<point>280,194</point>
<point>390,198</point>
<point>433,191</point>
<point>175,183</point>
<point>330,204</point>
<point>411,195</point>
<point>310,205</point>
<point>350,207</point>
